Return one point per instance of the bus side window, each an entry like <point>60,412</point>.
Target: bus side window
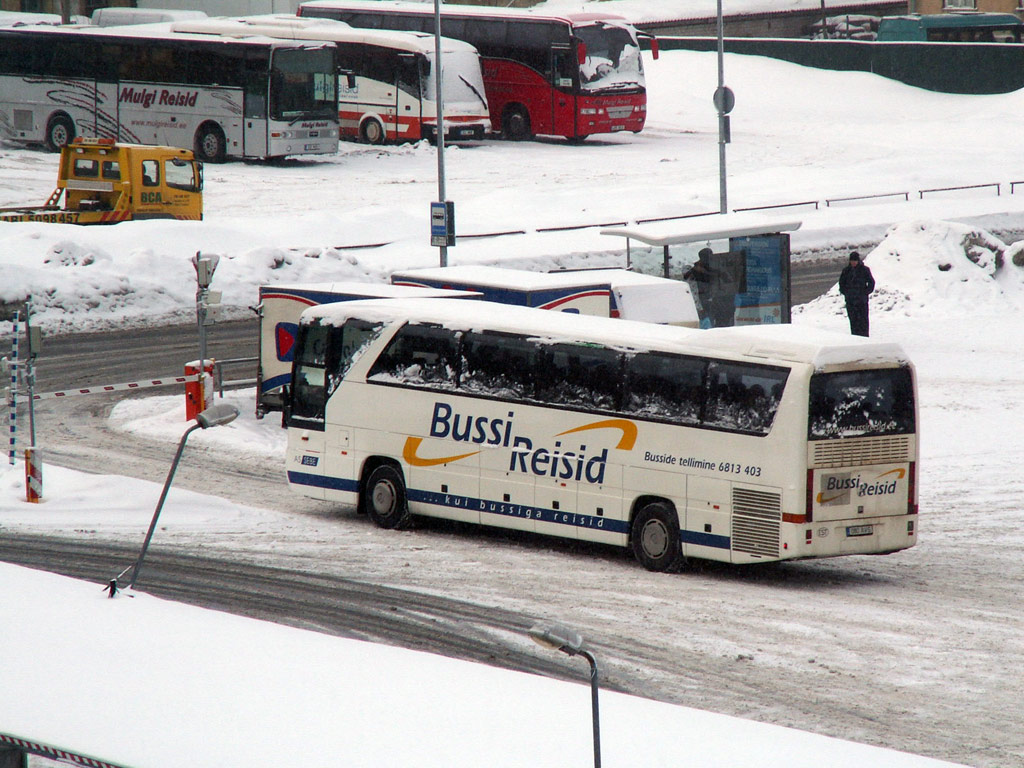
<point>347,344</point>
<point>668,387</point>
<point>743,397</point>
<point>419,356</point>
<point>499,365</point>
<point>587,377</point>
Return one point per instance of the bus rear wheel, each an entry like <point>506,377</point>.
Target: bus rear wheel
<point>210,145</point>
<point>372,132</point>
<point>60,132</point>
<point>384,498</point>
<point>515,124</point>
<point>654,538</point>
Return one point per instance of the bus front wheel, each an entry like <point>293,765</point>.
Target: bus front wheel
<point>60,132</point>
<point>655,538</point>
<point>385,500</point>
<point>372,131</point>
<point>515,124</point>
<point>210,145</point>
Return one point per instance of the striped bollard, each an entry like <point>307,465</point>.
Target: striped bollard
<point>13,404</point>
<point>33,476</point>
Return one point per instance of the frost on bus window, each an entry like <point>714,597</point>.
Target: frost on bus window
<point>613,58</point>
<point>498,365</point>
<point>742,397</point>
<point>347,345</point>
<point>668,387</point>
<point>419,356</point>
<point>588,377</point>
<point>861,403</point>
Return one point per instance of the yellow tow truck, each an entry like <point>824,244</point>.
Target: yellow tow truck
<point>105,182</point>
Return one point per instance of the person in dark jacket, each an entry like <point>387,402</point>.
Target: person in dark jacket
<point>856,283</point>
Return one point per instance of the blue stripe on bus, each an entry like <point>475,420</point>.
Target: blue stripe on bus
<point>319,481</point>
<point>706,539</point>
<point>276,381</point>
<point>508,509</point>
<point>522,511</point>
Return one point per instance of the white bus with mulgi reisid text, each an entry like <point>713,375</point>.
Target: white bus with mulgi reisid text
<point>254,97</point>
<point>386,84</point>
<point>740,445</point>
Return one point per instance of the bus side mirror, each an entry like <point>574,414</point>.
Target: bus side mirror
<point>286,405</point>
<point>655,48</point>
<point>581,52</point>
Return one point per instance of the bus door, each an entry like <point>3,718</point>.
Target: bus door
<point>255,141</point>
<point>106,112</point>
<point>563,99</point>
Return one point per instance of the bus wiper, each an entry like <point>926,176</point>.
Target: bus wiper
<point>474,90</point>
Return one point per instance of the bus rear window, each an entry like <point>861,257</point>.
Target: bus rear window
<point>861,404</point>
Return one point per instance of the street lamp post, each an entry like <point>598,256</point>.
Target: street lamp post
<point>214,416</point>
<point>570,642</point>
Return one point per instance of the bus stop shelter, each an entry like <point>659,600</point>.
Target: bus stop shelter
<point>747,264</point>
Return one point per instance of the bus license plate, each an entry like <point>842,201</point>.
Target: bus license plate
<point>618,127</point>
<point>860,530</point>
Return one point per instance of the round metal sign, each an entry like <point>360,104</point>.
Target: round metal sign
<point>724,99</point>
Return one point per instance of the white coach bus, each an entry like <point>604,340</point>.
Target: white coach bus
<point>386,84</point>
<point>255,97</point>
<point>736,444</point>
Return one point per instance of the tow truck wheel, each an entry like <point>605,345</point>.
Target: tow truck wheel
<point>60,132</point>
<point>210,145</point>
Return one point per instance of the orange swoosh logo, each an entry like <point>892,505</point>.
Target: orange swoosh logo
<point>628,428</point>
<point>823,500</point>
<point>901,472</point>
<point>409,453</point>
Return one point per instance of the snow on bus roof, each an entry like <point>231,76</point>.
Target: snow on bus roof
<point>775,344</point>
<point>162,30</point>
<point>509,13</point>
<point>370,290</point>
<point>501,277</point>
<point>287,27</point>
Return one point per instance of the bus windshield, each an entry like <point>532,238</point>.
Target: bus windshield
<point>613,59</point>
<point>301,89</point>
<point>861,404</point>
<point>462,81</point>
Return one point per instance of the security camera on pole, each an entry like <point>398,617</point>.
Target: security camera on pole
<point>207,311</point>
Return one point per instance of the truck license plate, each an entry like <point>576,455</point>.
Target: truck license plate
<point>859,530</point>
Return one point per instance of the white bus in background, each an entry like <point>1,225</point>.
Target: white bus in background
<point>254,97</point>
<point>741,445</point>
<point>281,305</point>
<point>600,292</point>
<point>117,16</point>
<point>386,84</point>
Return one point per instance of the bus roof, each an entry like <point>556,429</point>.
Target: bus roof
<point>449,10</point>
<point>777,344</point>
<point>369,290</point>
<point>501,277</point>
<point>288,27</point>
<point>156,31</point>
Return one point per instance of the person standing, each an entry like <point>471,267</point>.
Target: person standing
<point>856,283</point>
<point>701,275</point>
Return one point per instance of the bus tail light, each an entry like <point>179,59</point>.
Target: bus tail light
<point>912,489</point>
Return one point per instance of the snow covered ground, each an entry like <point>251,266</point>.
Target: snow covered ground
<point>928,644</point>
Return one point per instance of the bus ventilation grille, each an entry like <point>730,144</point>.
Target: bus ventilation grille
<point>756,516</point>
<point>861,450</point>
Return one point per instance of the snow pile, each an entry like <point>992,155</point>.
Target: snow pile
<point>937,269</point>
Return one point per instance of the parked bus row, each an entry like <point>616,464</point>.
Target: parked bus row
<point>741,445</point>
<point>270,86</point>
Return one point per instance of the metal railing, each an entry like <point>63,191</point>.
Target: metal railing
<point>218,374</point>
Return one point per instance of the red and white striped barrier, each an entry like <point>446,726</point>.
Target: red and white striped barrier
<point>118,387</point>
<point>33,476</point>
<point>36,748</point>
